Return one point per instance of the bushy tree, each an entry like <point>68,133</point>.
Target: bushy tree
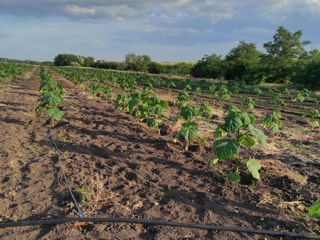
<point>66,60</point>
<point>282,53</point>
<point>137,63</point>
<point>307,71</point>
<point>212,66</point>
<point>156,68</point>
<point>241,60</point>
<point>88,62</point>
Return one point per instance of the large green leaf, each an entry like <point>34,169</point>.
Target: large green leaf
<point>259,135</point>
<point>254,167</point>
<point>234,177</point>
<point>247,140</point>
<point>52,98</point>
<point>232,123</point>
<point>314,210</point>
<point>226,148</point>
<point>133,103</point>
<point>189,130</point>
<point>54,113</point>
<point>188,112</point>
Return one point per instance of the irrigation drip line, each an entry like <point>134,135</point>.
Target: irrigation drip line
<point>153,222</point>
<point>80,213</point>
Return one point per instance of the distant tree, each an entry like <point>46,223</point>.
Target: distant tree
<point>137,63</point>
<point>212,66</point>
<point>306,71</point>
<point>282,53</point>
<point>241,60</point>
<point>66,60</point>
<point>88,62</point>
<point>155,67</point>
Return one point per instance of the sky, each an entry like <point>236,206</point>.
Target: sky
<point>165,30</point>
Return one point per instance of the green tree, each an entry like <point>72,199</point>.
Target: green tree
<point>282,53</point>
<point>137,63</point>
<point>66,60</point>
<point>88,62</point>
<point>242,59</point>
<point>212,66</point>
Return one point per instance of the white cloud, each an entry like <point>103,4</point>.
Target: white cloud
<point>98,43</point>
<point>120,10</point>
<point>214,10</point>
<point>75,10</point>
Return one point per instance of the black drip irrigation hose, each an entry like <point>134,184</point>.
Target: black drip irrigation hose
<point>153,222</point>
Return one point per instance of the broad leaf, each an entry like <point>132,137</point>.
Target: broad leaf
<point>259,135</point>
<point>189,131</point>
<point>226,148</point>
<point>233,177</point>
<point>188,112</point>
<point>314,210</point>
<point>247,141</point>
<point>254,167</point>
<point>232,123</point>
<point>54,113</point>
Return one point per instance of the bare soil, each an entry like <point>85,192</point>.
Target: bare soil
<point>117,167</point>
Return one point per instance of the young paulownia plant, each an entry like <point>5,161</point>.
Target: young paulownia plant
<point>182,99</point>
<point>197,93</point>
<point>273,121</point>
<point>143,107</point>
<point>223,94</point>
<point>276,97</point>
<point>248,103</point>
<point>190,128</point>
<point>314,115</point>
<point>52,96</point>
<point>236,131</point>
<point>302,95</point>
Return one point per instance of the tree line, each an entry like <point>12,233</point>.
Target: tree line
<point>285,60</point>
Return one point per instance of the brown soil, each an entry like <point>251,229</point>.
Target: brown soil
<point>117,167</point>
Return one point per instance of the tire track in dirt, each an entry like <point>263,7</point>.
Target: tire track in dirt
<point>28,172</point>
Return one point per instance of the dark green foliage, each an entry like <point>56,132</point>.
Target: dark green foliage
<point>242,60</point>
<point>110,65</point>
<point>155,68</point>
<point>73,60</point>
<point>210,67</point>
<point>66,60</point>
<point>307,73</point>
<point>282,53</point>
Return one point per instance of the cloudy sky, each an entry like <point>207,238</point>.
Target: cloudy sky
<point>166,30</point>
